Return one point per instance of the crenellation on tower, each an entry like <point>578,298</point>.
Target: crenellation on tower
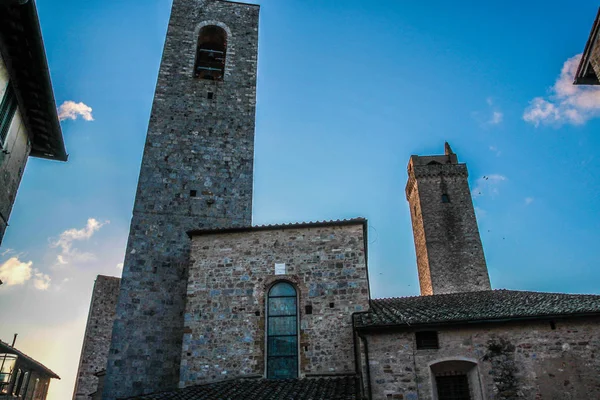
<point>449,252</point>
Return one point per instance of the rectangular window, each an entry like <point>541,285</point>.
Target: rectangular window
<point>427,340</point>
<point>453,387</point>
<point>8,107</point>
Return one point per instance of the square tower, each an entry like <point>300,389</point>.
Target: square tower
<point>196,173</point>
<point>450,256</point>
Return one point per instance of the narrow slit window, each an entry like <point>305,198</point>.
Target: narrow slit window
<point>211,53</point>
<point>282,332</point>
<point>445,198</point>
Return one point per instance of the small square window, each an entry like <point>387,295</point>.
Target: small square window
<point>308,309</point>
<point>445,198</point>
<point>427,340</point>
<point>331,305</point>
<point>193,193</point>
<point>210,95</point>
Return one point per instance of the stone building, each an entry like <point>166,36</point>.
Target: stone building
<point>22,377</point>
<point>211,307</point>
<point>28,120</point>
<point>96,342</point>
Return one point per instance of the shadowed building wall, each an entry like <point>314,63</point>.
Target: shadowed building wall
<point>196,173</point>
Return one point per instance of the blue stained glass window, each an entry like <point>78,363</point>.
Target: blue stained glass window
<point>282,332</point>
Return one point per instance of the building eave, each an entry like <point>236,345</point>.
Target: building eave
<point>23,53</point>
<point>462,323</point>
<point>585,72</point>
<point>6,348</point>
<point>298,225</point>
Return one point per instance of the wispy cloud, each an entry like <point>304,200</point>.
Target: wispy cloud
<point>566,103</point>
<point>41,281</point>
<point>66,239</point>
<point>529,200</point>
<point>71,110</point>
<point>15,272</point>
<point>488,185</point>
<point>496,118</point>
<point>495,150</point>
<point>492,116</point>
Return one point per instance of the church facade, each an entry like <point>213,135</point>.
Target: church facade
<point>211,307</point>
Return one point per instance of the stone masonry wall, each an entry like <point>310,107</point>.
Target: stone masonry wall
<point>449,252</point>
<point>196,173</point>
<point>517,360</point>
<point>96,340</point>
<point>229,276</point>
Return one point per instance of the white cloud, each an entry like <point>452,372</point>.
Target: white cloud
<point>495,150</point>
<point>41,281</point>
<point>120,266</point>
<point>528,200</point>
<point>480,212</point>
<point>15,272</point>
<point>566,103</point>
<point>497,117</point>
<point>66,239</point>
<point>488,185</point>
<point>7,251</point>
<point>71,110</point>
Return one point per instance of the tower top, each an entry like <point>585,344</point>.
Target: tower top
<point>449,157</point>
<point>447,149</point>
<point>449,252</point>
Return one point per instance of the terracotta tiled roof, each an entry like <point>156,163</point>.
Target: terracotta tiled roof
<point>315,224</point>
<point>330,388</point>
<point>486,305</point>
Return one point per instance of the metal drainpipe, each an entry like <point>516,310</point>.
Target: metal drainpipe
<point>366,345</point>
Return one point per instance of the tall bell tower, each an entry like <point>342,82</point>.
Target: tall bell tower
<point>196,172</point>
<point>450,256</point>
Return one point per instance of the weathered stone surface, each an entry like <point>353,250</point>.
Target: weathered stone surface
<point>449,252</point>
<point>98,331</point>
<point>229,276</point>
<point>194,143</point>
<point>13,157</point>
<point>514,360</point>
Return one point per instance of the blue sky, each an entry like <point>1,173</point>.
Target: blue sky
<point>347,91</point>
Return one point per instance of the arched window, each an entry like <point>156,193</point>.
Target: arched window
<point>211,53</point>
<point>282,332</point>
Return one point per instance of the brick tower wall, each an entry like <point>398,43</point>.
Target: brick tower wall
<point>194,143</point>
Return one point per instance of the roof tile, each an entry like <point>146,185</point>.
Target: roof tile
<point>474,306</point>
<point>330,388</point>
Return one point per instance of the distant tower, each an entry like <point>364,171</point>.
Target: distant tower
<point>450,256</point>
<point>196,173</point>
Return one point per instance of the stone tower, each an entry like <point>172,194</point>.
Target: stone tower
<point>450,256</point>
<point>196,173</point>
